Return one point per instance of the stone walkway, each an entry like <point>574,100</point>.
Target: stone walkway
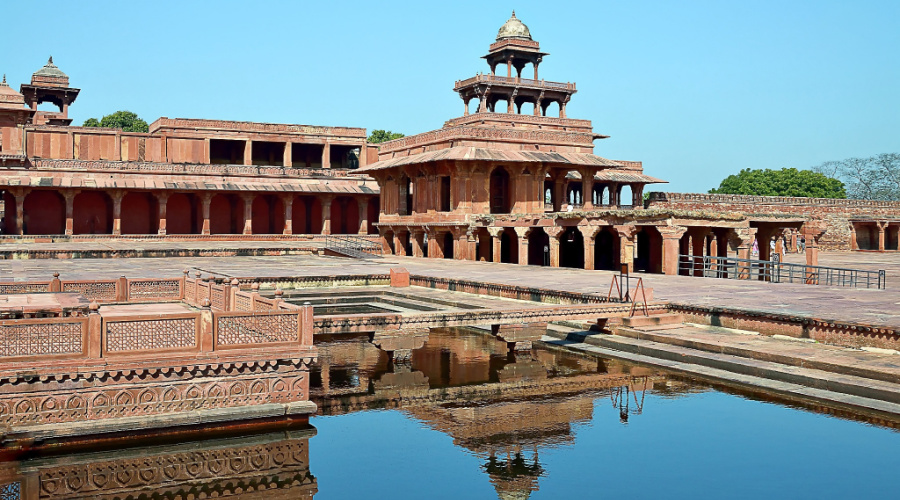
<point>875,307</point>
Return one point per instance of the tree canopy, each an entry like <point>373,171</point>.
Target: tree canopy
<point>125,120</point>
<point>873,178</point>
<point>784,182</point>
<point>383,135</point>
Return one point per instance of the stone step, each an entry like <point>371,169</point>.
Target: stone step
<point>797,392</point>
<point>808,377</point>
<point>653,320</point>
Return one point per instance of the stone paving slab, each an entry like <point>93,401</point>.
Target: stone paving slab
<point>875,307</point>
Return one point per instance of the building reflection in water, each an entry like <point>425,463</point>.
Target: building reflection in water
<point>503,407</point>
<point>272,466</point>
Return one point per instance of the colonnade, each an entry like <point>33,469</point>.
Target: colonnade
<point>29,211</point>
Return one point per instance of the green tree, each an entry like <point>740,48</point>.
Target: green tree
<point>383,135</point>
<point>125,120</point>
<point>873,178</point>
<point>784,182</point>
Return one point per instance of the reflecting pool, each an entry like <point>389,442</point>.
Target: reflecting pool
<point>462,418</point>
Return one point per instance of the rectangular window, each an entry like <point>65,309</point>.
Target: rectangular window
<point>445,194</point>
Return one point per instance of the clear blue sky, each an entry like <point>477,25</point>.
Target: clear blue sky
<point>697,90</point>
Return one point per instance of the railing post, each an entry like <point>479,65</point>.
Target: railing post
<point>254,295</point>
<point>55,285</point>
<point>95,331</point>
<point>183,280</point>
<point>232,294</point>
<point>207,327</point>
<point>305,324</point>
<point>122,289</point>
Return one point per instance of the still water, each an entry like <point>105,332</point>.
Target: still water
<point>461,418</point>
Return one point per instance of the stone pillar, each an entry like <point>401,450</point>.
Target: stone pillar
<point>288,155</point>
<point>434,248</point>
<point>496,243</point>
<point>117,211</point>
<point>637,196</point>
<point>812,231</point>
<point>418,242</point>
<point>248,152</point>
<point>698,248</point>
<point>326,214</point>
<point>614,194</point>
<point>363,205</point>
<point>522,234</point>
<point>741,241</point>
<point>671,236</point>
<point>854,244</point>
<point>20,195</point>
<point>881,227</point>
<point>204,209</point>
<point>70,211</point>
<point>589,234</point>
<point>559,193</point>
<point>554,233</point>
<point>399,247</point>
<point>587,188</point>
<point>248,213</point>
<point>326,156</point>
<point>162,200</point>
<point>288,203</point>
<point>626,245</point>
<point>793,242</point>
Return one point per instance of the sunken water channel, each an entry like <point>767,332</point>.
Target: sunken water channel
<point>463,418</point>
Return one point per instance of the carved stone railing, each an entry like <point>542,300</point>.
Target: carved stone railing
<point>740,199</point>
<point>489,134</point>
<point>185,168</point>
<point>43,338</point>
<point>518,118</point>
<point>521,82</point>
<point>174,332</point>
<point>239,329</point>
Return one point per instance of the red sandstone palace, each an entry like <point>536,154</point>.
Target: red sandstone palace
<point>505,182</point>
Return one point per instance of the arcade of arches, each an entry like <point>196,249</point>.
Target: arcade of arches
<point>122,212</point>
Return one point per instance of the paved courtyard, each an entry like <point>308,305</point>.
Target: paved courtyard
<point>878,307</point>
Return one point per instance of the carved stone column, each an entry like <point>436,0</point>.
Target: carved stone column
<point>626,245</point>
<point>20,195</point>
<point>248,213</point>
<point>363,205</point>
<point>205,199</point>
<point>496,242</point>
<point>589,234</point>
<point>554,233</point>
<point>288,203</point>
<point>162,200</point>
<point>117,196</point>
<point>399,247</point>
<point>671,236</point>
<point>248,152</point>
<point>587,187</point>
<point>69,196</point>
<point>418,242</point>
<point>522,234</point>
<point>326,213</point>
<point>881,227</point>
<point>812,231</point>
<point>326,156</point>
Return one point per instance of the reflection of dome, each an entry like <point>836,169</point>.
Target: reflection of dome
<point>513,28</point>
<point>50,69</point>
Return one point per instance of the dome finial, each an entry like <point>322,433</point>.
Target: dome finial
<point>4,78</point>
<point>514,14</point>
<point>50,61</point>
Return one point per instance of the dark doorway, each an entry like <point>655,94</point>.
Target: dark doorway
<point>571,248</point>
<point>499,191</point>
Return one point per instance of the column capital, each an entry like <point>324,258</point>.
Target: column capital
<point>495,232</point>
<point>522,232</point>
<point>162,196</point>
<point>814,229</point>
<point>671,232</point>
<point>628,231</point>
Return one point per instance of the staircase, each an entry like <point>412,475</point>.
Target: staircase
<point>352,246</point>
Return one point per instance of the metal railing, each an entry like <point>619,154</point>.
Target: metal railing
<point>353,246</point>
<point>778,272</point>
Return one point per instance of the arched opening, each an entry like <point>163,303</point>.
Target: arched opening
<point>550,108</point>
<point>140,213</point>
<point>226,214</point>
<point>44,213</point>
<point>474,105</point>
<point>267,213</point>
<point>9,224</point>
<point>625,196</point>
<point>575,193</point>
<point>526,108</point>
<point>92,213</point>
<point>50,106</point>
<point>500,195</point>
<point>606,249</point>
<point>571,248</point>
<point>501,106</point>
<point>484,249</point>
<point>344,215</point>
<point>447,245</point>
<point>684,248</point>
<point>538,247</point>
<point>372,215</point>
<point>649,250</point>
<point>182,214</point>
<point>306,213</point>
<point>866,236</point>
<point>509,246</point>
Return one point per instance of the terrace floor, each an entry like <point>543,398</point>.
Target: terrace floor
<point>875,307</point>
